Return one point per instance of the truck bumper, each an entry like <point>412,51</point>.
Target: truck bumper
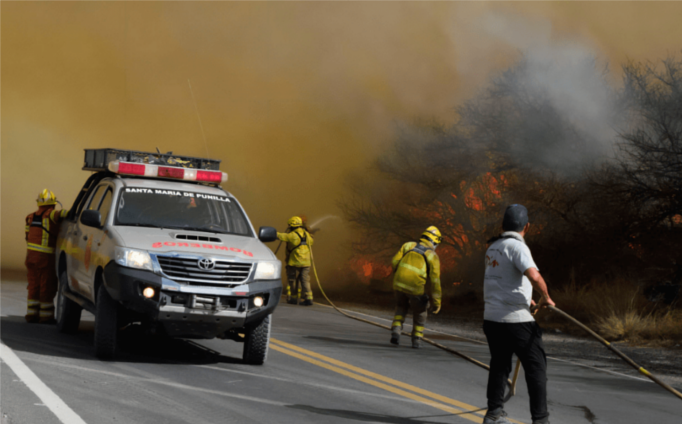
<point>191,311</point>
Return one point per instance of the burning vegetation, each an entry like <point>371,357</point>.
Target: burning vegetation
<point>599,168</point>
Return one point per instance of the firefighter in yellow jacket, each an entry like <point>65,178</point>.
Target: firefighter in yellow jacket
<point>298,241</point>
<point>42,227</point>
<point>414,265</point>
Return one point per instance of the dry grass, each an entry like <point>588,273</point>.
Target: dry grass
<point>618,311</point>
<point>626,326</point>
<point>662,328</point>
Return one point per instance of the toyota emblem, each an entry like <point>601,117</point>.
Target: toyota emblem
<point>206,264</point>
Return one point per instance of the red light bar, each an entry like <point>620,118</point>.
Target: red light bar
<point>131,168</point>
<point>210,176</point>
<point>171,172</point>
<point>148,170</point>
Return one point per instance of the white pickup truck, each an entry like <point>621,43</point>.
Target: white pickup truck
<point>151,242</point>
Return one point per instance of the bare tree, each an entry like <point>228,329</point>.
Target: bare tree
<point>649,171</point>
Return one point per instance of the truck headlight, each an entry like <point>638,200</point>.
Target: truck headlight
<point>268,270</point>
<point>133,258</point>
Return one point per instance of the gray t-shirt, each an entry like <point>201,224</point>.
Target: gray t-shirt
<point>506,291</point>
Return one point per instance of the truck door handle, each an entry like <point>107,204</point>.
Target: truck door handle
<point>85,237</point>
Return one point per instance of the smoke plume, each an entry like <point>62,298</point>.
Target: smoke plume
<point>292,96</point>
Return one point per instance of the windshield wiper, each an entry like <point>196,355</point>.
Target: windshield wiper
<point>138,225</point>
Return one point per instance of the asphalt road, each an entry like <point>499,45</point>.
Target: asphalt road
<point>322,367</point>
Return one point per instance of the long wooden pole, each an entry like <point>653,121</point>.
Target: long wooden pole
<point>616,351</point>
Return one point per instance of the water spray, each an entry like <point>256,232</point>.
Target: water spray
<point>321,220</point>
<point>313,225</point>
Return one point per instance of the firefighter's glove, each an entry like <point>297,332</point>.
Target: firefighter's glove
<point>434,309</point>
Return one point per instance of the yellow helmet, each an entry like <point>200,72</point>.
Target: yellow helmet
<point>433,235</point>
<point>295,222</point>
<point>46,197</point>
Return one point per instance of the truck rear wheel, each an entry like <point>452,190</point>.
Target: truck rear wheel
<point>256,341</point>
<point>68,311</point>
<point>106,325</point>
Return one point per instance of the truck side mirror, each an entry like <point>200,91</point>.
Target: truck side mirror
<point>267,234</point>
<point>91,218</point>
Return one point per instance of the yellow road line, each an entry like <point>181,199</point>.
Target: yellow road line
<point>380,377</point>
<point>468,416</point>
<point>463,406</point>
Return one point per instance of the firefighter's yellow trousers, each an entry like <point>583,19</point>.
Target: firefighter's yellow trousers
<point>403,303</point>
<point>299,278</point>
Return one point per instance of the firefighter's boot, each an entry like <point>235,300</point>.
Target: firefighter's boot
<point>47,313</point>
<point>32,311</point>
<point>417,334</point>
<point>291,300</point>
<point>307,302</point>
<point>395,335</point>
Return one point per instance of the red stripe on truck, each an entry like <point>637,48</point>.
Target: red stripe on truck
<point>159,244</point>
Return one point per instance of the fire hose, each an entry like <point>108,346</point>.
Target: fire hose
<point>510,383</point>
<point>616,351</point>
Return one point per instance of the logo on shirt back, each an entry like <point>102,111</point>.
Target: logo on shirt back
<point>490,262</point>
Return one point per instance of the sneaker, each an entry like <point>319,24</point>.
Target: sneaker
<point>416,343</point>
<point>307,302</point>
<point>542,421</point>
<point>499,418</point>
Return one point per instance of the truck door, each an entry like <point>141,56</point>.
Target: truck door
<point>84,238</point>
<point>73,234</point>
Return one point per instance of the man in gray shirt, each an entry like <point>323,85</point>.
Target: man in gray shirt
<point>509,326</point>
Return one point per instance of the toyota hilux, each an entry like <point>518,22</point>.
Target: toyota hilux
<point>153,239</point>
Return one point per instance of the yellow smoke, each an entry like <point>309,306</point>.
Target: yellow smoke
<point>292,96</point>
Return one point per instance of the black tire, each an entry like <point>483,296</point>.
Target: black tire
<point>106,325</point>
<point>256,342</point>
<point>68,311</point>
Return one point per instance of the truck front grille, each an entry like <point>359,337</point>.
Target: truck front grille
<point>187,270</point>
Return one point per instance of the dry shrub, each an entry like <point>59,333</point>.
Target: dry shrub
<point>659,328</point>
<point>664,328</point>
<point>627,326</point>
<point>597,299</point>
<point>618,311</point>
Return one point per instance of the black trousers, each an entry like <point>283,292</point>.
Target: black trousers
<point>525,340</point>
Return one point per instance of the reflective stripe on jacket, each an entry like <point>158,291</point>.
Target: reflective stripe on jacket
<point>42,228</point>
<point>413,268</point>
<point>298,247</point>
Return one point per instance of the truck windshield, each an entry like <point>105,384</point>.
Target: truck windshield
<point>185,210</point>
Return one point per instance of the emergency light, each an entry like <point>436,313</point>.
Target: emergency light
<point>160,171</point>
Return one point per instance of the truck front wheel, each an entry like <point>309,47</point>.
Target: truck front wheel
<point>256,341</point>
<point>68,311</point>
<point>106,325</point>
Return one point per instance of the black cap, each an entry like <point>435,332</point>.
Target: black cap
<point>515,218</point>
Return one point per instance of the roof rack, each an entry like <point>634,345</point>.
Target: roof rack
<point>99,159</point>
